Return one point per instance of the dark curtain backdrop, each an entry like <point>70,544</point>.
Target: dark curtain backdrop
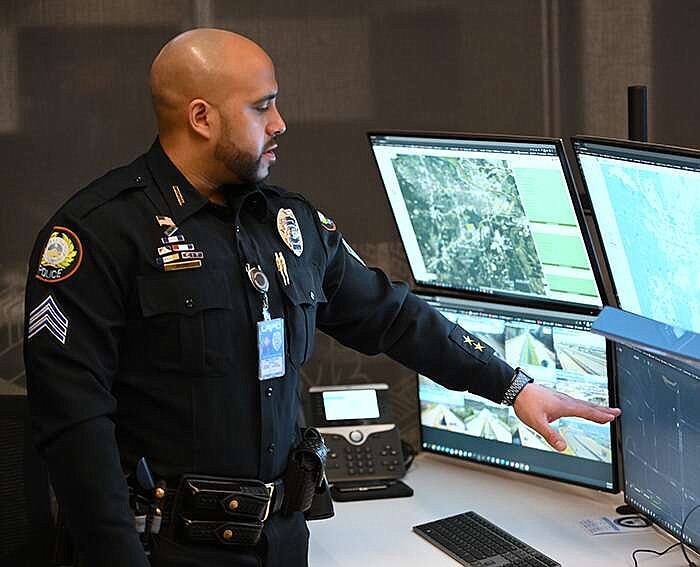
<point>74,102</point>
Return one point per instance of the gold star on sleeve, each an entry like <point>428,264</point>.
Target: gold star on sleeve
<point>479,347</point>
<point>468,340</point>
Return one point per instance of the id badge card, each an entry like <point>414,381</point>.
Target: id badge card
<point>270,348</point>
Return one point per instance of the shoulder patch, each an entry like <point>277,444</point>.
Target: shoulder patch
<point>326,223</point>
<point>62,256</point>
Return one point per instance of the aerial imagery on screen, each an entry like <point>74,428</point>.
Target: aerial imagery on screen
<point>493,219</point>
<point>649,219</point>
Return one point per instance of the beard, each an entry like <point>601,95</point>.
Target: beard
<point>245,166</point>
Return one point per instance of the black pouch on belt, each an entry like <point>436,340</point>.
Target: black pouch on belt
<point>305,472</point>
<point>220,510</point>
<point>216,498</point>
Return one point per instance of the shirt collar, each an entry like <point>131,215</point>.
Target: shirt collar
<point>183,200</point>
<point>250,196</point>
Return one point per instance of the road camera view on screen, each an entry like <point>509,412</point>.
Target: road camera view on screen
<point>493,217</point>
<point>660,424</point>
<point>559,352</point>
<point>649,219</point>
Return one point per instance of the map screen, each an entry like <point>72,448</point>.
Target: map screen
<point>660,427</point>
<point>647,205</point>
<point>487,216</point>
<point>557,350</point>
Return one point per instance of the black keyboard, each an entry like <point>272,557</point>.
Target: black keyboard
<point>473,540</point>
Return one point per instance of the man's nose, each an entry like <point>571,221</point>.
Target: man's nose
<point>277,127</point>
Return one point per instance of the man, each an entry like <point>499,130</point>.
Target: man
<point>172,302</point>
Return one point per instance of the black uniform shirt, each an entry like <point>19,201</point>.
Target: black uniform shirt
<point>128,358</point>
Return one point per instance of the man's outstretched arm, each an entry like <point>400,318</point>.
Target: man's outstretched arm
<point>369,313</point>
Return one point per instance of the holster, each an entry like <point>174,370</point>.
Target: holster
<point>306,489</point>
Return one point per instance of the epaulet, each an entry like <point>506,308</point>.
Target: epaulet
<point>280,192</point>
<point>105,188</point>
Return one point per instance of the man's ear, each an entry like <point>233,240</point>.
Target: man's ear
<point>202,117</point>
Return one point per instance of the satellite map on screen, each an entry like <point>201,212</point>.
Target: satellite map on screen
<point>469,222</point>
<point>658,215</point>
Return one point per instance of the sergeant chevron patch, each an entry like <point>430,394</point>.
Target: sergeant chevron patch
<point>48,315</point>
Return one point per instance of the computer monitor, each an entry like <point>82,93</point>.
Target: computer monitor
<point>557,350</point>
<point>660,437</point>
<point>646,204</point>
<point>649,335</point>
<point>489,214</point>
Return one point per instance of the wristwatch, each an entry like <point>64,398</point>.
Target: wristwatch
<point>519,381</point>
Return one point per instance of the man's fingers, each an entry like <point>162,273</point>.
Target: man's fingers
<point>593,412</point>
<point>551,436</point>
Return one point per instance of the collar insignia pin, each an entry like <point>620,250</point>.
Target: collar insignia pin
<point>178,195</point>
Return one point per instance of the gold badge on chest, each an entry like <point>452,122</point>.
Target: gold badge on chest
<point>289,230</point>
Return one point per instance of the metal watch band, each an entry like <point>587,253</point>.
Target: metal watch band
<point>520,380</point>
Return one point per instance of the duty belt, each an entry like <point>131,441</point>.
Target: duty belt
<point>231,511</point>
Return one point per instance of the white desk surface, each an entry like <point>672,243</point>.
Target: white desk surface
<point>543,513</point>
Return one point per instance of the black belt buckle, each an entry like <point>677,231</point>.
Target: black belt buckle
<point>217,498</point>
<point>228,533</point>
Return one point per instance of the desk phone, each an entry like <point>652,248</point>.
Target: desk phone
<point>356,423</point>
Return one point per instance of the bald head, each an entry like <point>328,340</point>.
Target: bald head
<point>203,63</point>
<point>215,98</point>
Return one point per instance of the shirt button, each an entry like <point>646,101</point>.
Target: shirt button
<point>268,393</point>
<point>238,229</point>
<point>138,179</point>
<point>312,295</point>
<point>189,302</point>
<point>271,448</point>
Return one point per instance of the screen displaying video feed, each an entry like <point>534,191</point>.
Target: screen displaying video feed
<point>660,435</point>
<point>492,216</point>
<point>558,351</point>
<point>646,202</point>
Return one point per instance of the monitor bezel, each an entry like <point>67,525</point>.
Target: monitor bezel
<point>621,461</point>
<point>499,297</point>
<point>625,144</point>
<point>615,443</point>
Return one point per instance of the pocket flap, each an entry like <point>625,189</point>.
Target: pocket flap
<point>184,293</point>
<point>306,286</point>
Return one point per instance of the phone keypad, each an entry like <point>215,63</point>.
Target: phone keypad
<point>369,459</point>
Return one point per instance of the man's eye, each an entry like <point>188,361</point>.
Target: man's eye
<point>263,108</point>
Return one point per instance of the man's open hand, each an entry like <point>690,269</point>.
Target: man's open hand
<point>537,406</point>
